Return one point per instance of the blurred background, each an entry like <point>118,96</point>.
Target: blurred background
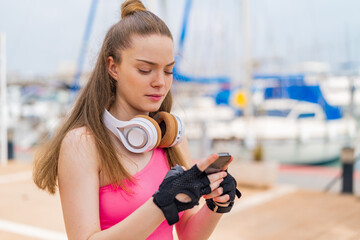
<point>276,83</point>
<point>279,77</point>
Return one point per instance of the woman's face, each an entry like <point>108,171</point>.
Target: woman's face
<point>144,76</point>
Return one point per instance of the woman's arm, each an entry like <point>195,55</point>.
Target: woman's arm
<point>139,225</point>
<point>197,223</point>
<point>200,223</point>
<point>78,174</point>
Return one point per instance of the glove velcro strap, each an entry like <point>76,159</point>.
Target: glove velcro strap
<point>238,193</point>
<point>219,209</point>
<point>170,212</point>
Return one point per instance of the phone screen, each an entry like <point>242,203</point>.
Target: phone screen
<point>216,166</point>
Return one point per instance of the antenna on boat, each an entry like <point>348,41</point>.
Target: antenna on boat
<point>3,103</point>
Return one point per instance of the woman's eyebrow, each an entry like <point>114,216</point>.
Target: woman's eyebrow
<point>170,64</point>
<point>152,63</point>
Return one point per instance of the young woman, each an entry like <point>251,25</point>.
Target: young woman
<point>109,188</point>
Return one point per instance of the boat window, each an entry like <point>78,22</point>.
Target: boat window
<point>306,115</point>
<point>277,112</point>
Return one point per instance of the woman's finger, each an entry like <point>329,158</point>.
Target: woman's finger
<point>216,184</point>
<point>203,164</point>
<point>222,199</point>
<point>216,176</point>
<point>216,193</point>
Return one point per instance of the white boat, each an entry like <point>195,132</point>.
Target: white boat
<point>342,90</point>
<point>290,131</point>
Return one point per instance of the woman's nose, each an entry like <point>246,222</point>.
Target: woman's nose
<point>159,80</point>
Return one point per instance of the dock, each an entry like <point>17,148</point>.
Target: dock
<point>284,211</point>
<point>296,214</point>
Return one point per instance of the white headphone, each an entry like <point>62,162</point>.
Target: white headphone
<point>143,133</point>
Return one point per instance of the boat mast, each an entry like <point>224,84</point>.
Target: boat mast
<point>247,56</point>
<point>84,45</point>
<point>3,103</point>
<point>163,10</point>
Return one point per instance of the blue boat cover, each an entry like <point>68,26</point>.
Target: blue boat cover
<point>290,87</point>
<point>294,87</point>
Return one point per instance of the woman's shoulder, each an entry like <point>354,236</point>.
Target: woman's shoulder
<point>79,143</point>
<point>78,161</point>
<point>77,136</point>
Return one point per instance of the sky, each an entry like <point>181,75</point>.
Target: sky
<point>44,36</point>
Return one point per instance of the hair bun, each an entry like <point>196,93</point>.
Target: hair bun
<point>130,7</point>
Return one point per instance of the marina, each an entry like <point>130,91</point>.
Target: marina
<point>285,104</point>
<point>302,113</point>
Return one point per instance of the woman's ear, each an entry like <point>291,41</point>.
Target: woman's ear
<point>112,68</point>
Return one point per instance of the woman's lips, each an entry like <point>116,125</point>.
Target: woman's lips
<point>155,97</point>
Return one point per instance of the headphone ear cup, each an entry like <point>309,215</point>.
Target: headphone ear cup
<point>156,125</point>
<point>168,126</point>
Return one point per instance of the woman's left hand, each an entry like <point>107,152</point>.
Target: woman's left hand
<point>217,191</point>
<point>226,191</point>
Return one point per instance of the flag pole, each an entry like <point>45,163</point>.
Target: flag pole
<point>3,102</point>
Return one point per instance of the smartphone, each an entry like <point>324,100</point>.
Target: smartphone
<point>218,165</point>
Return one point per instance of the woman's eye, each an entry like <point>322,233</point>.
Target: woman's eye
<point>144,71</point>
<point>168,72</point>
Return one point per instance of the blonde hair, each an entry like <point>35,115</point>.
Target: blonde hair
<point>97,94</point>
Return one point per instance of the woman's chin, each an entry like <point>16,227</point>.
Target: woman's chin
<point>154,107</point>
<point>151,109</point>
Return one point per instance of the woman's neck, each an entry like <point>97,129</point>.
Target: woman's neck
<point>124,112</point>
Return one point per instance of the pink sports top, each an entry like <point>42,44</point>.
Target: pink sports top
<point>116,205</point>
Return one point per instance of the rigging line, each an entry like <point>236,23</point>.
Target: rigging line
<point>184,26</point>
<point>210,35</point>
<point>332,182</point>
<point>85,41</point>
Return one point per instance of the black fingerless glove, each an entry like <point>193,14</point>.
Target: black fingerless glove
<point>192,182</point>
<point>229,186</point>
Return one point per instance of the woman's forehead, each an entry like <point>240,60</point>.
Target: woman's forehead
<point>153,48</point>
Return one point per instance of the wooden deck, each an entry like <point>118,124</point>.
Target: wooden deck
<point>282,212</point>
